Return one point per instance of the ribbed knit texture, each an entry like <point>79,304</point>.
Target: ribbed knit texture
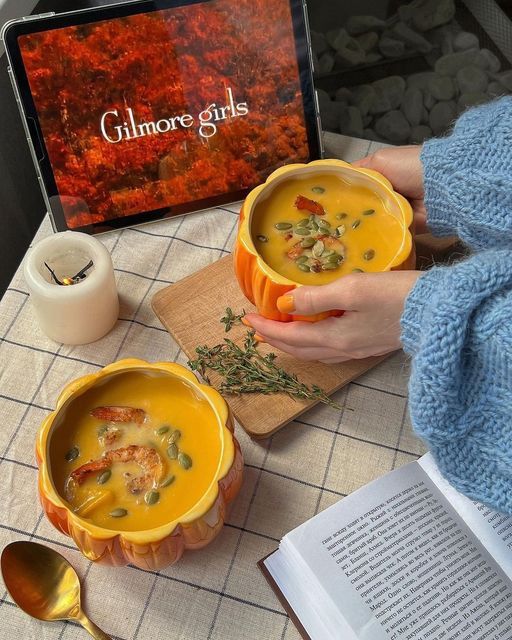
<point>457,322</point>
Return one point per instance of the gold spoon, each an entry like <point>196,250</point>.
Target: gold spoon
<point>44,584</point>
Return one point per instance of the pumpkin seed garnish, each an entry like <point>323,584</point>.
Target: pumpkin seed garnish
<point>302,231</point>
<point>118,513</point>
<point>174,437</point>
<point>369,212</point>
<point>318,248</point>
<point>329,266</point>
<point>104,476</point>
<point>169,480</point>
<point>307,243</point>
<point>303,222</point>
<point>318,190</point>
<point>301,259</point>
<point>161,430</point>
<point>356,223</point>
<point>172,451</point>
<point>341,230</point>
<point>283,226</point>
<point>303,267</point>
<point>262,238</point>
<point>336,257</point>
<point>341,216</point>
<point>184,460</point>
<point>151,497</point>
<point>369,255</point>
<point>357,271</point>
<point>72,454</point>
<point>323,223</point>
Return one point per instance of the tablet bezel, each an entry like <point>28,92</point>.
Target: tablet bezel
<point>16,28</point>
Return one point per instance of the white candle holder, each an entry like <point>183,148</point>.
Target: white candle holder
<point>76,313</point>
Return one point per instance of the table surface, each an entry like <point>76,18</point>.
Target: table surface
<point>217,593</point>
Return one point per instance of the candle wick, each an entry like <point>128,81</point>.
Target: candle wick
<point>53,274</point>
<point>81,274</point>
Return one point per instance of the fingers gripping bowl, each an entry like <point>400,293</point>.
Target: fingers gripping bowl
<point>137,463</point>
<point>310,224</point>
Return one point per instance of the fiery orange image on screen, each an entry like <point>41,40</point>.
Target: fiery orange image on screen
<point>174,106</point>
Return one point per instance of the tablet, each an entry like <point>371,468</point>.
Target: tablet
<point>155,108</point>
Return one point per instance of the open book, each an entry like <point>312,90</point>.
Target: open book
<point>406,557</point>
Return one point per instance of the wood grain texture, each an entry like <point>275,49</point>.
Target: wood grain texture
<point>191,309</point>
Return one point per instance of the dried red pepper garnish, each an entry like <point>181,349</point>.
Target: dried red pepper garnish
<point>309,205</point>
<point>295,251</point>
<point>119,414</point>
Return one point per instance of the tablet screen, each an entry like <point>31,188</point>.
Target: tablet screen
<point>171,109</point>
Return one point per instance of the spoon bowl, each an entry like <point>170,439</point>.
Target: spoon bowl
<point>44,584</point>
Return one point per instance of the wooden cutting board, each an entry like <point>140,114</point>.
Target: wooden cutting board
<point>191,309</point>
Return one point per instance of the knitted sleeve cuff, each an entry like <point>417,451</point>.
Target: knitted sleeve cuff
<point>440,186</point>
<point>418,309</point>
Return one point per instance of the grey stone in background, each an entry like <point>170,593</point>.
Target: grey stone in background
<point>351,55</point>
<point>420,80</point>
<point>427,14</point>
<point>364,97</point>
<point>467,100</point>
<point>441,87</point>
<point>367,41</point>
<point>496,89</point>
<point>336,38</point>
<point>319,43</point>
<point>428,100</point>
<point>505,79</point>
<point>390,47</point>
<point>372,57</point>
<point>393,126</point>
<point>465,40</point>
<point>390,91</point>
<point>489,61</point>
<point>419,134</point>
<point>402,32</point>
<point>342,95</point>
<point>356,25</point>
<point>397,109</point>
<point>351,121</point>
<point>325,63</point>
<point>471,79</point>
<point>442,115</point>
<point>449,64</point>
<point>412,106</point>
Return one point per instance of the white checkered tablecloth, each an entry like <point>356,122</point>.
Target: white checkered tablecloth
<point>217,593</point>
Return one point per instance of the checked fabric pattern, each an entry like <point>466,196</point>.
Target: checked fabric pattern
<point>217,593</point>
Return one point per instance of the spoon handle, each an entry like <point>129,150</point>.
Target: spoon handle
<point>91,628</point>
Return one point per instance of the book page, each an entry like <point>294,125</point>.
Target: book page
<point>396,562</point>
<point>492,528</point>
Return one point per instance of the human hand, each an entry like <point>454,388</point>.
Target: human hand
<point>370,326</point>
<point>403,168</point>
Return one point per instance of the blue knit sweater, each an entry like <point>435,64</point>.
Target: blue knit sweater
<point>457,322</point>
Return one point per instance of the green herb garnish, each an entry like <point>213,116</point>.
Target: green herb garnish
<point>244,370</point>
<point>231,318</point>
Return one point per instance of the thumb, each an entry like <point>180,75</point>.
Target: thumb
<point>307,301</point>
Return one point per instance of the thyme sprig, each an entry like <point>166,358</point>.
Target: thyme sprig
<point>245,370</point>
<point>230,319</point>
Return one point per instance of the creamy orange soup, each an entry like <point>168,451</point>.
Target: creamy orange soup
<point>316,229</point>
<point>136,451</point>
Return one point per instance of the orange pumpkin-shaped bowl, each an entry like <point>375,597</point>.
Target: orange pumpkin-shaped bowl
<point>260,283</point>
<point>159,544</point>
